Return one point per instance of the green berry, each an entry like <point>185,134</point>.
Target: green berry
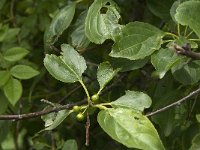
<point>76,108</point>
<point>95,98</point>
<point>80,117</point>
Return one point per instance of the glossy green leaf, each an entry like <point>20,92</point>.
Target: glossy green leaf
<point>195,142</point>
<point>134,100</point>
<point>58,119</point>
<point>70,145</point>
<point>187,73</point>
<point>15,53</point>
<point>188,14</point>
<point>4,77</point>
<point>130,128</point>
<point>78,37</point>
<point>138,40</point>
<point>13,90</point>
<point>160,9</point>
<point>128,65</point>
<point>68,67</point>
<point>105,74</point>
<point>163,60</point>
<point>60,23</point>
<point>23,72</point>
<point>102,21</point>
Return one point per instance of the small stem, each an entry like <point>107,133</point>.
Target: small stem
<point>78,1</point>
<point>189,34</point>
<point>99,91</point>
<point>195,40</point>
<point>101,107</point>
<point>172,34</point>
<point>166,41</point>
<point>85,110</point>
<point>178,28</point>
<point>86,91</point>
<point>174,103</point>
<point>185,32</point>
<point>87,130</point>
<point>105,104</point>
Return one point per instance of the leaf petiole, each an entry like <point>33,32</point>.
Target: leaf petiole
<point>86,91</point>
<point>172,34</point>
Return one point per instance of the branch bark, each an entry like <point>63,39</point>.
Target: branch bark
<point>186,51</point>
<point>174,104</point>
<point>39,113</point>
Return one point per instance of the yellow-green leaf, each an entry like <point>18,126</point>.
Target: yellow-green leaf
<point>130,128</point>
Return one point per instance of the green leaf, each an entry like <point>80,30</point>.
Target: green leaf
<point>3,103</point>
<point>70,145</point>
<point>198,117</point>
<point>57,119</point>
<point>49,118</point>
<point>11,34</point>
<point>102,21</point>
<point>2,4</point>
<point>78,37</point>
<point>166,93</point>
<point>4,77</point>
<point>128,65</point>
<point>173,10</point>
<point>15,54</point>
<point>5,128</point>
<point>164,60</point>
<point>134,100</point>
<point>182,41</point>
<point>13,90</point>
<point>187,73</point>
<point>195,142</point>
<point>188,14</point>
<point>160,9</point>
<point>23,72</point>
<point>137,41</point>
<point>105,73</point>
<point>130,128</point>
<point>60,23</point>
<point>3,31</point>
<point>68,67</point>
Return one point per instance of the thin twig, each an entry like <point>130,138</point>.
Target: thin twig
<point>87,127</point>
<point>174,104</point>
<point>54,109</point>
<point>39,113</point>
<point>186,51</point>
<point>12,15</point>
<point>193,105</point>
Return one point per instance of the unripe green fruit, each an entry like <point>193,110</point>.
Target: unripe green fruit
<point>95,98</point>
<point>80,117</point>
<point>76,108</point>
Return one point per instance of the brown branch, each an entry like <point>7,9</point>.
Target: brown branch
<point>12,15</point>
<point>186,51</point>
<point>39,113</point>
<point>174,104</point>
<point>87,126</point>
<point>53,109</point>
